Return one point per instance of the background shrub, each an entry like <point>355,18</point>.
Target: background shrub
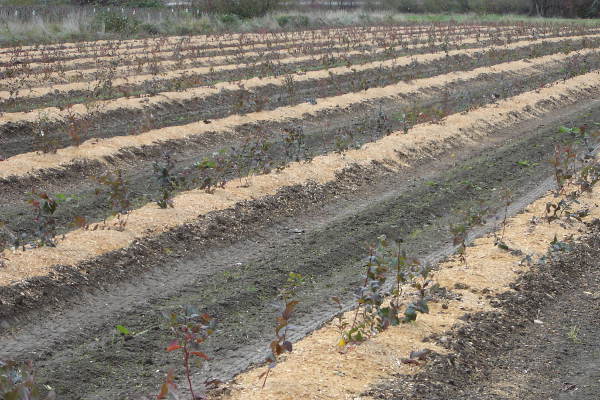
<point>118,23</point>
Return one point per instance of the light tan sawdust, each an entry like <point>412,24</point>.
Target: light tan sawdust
<point>225,39</point>
<point>79,245</point>
<point>227,63</point>
<point>213,63</point>
<point>316,370</point>
<point>216,39</point>
<point>247,50</point>
<point>255,41</point>
<point>80,74</point>
<point>98,149</point>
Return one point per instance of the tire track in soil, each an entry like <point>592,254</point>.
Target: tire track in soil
<point>241,298</point>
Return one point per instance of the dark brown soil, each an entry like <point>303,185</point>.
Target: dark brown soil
<point>351,39</point>
<point>328,131</point>
<point>252,100</point>
<point>506,355</point>
<point>231,264</point>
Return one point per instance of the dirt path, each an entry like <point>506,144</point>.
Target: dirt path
<point>233,262</point>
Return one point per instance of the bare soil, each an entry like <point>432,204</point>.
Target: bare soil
<point>232,262</point>
<point>542,342</point>
<point>368,122</point>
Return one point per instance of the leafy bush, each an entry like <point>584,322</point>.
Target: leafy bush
<point>568,8</point>
<point>121,3</point>
<point>117,23</point>
<point>229,19</point>
<point>445,5</point>
<point>150,29</point>
<point>499,6</point>
<point>243,8</point>
<point>295,21</point>
<point>414,6</point>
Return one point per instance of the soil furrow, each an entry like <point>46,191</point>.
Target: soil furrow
<point>321,135</point>
<point>99,149</point>
<point>421,140</point>
<point>185,66</point>
<point>238,294</point>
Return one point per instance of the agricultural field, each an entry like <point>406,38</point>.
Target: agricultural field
<point>367,212</point>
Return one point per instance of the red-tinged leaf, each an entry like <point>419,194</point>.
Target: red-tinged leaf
<point>289,308</point>
<point>174,346</point>
<point>287,345</point>
<point>206,317</point>
<point>164,391</point>
<point>200,354</point>
<point>275,347</point>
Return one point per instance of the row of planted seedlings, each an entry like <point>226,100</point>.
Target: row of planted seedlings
<point>268,39</point>
<point>223,38</point>
<point>154,62</point>
<point>343,39</point>
<point>151,64</point>
<point>188,43</point>
<point>190,327</point>
<point>271,39</point>
<point>46,136</point>
<point>530,68</point>
<point>23,81</point>
<point>176,53</point>
<point>287,141</point>
<point>395,289</point>
<point>106,77</point>
<point>22,71</point>
<point>19,85</point>
<point>21,78</point>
